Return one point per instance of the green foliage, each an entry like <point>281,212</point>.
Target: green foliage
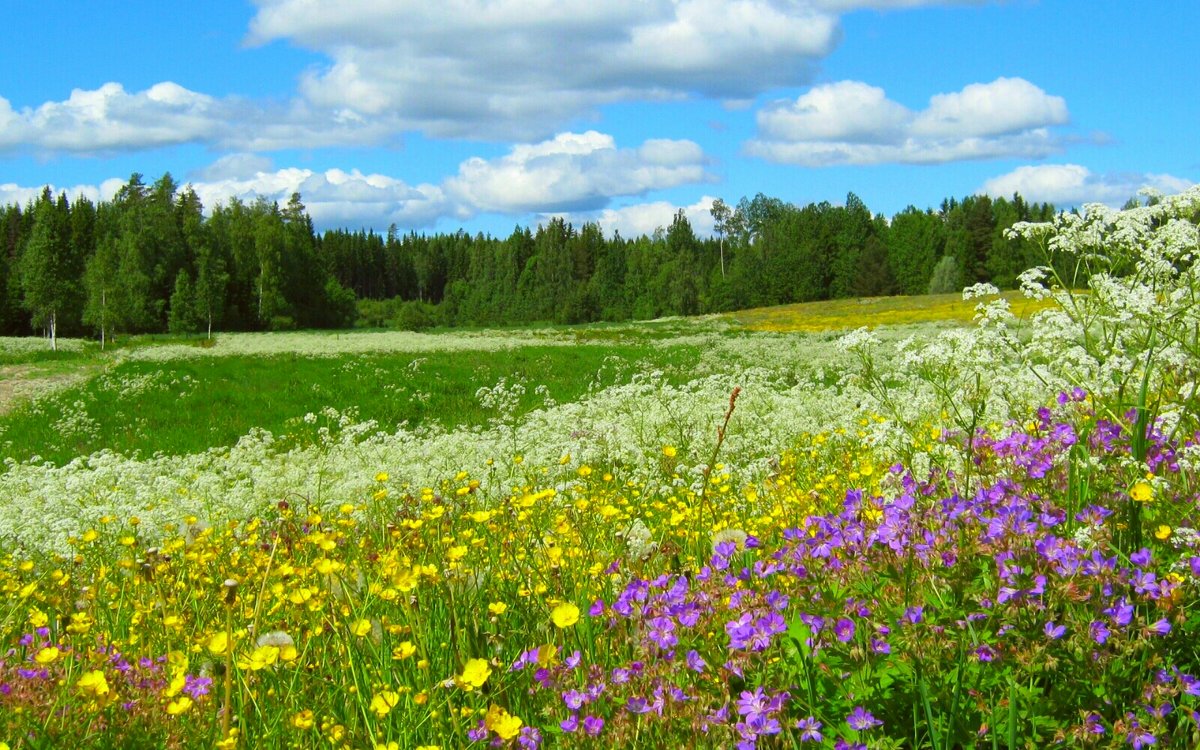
<point>183,317</point>
<point>946,277</point>
<point>262,266</point>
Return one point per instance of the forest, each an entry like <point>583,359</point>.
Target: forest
<point>153,260</point>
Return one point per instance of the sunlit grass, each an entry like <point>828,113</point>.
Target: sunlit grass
<point>873,312</point>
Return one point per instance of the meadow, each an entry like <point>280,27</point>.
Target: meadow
<point>942,523</point>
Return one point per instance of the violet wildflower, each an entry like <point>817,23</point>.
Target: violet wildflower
<point>569,724</point>
<point>1092,724</point>
<point>1054,631</point>
<point>574,699</point>
<point>637,705</point>
<point>1161,627</point>
<point>810,730</point>
<point>696,662</point>
<point>593,725</point>
<point>843,629</point>
<point>860,720</point>
<point>530,738</point>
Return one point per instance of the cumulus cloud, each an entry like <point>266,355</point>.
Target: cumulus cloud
<point>109,119</point>
<point>855,123</point>
<point>644,218</point>
<point>1074,185</point>
<point>574,172</point>
<point>334,197</point>
<point>13,194</point>
<point>513,68</point>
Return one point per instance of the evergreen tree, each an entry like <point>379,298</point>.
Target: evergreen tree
<point>44,268</point>
<point>181,317</point>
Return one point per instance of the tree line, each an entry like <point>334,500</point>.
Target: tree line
<point>150,260</point>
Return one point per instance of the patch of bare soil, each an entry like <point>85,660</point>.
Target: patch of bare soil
<point>19,383</point>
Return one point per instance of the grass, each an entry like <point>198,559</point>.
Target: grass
<point>834,315</point>
<point>186,406</point>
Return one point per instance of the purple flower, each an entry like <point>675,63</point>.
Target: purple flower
<point>662,632</point>
<point>1140,738</point>
<point>1161,627</point>
<point>843,629</point>
<point>1141,557</point>
<point>1121,613</point>
<point>1100,632</point>
<point>570,724</point>
<point>696,662</point>
<point>574,699</point>
<point>197,686</point>
<point>985,653</point>
<point>637,705</point>
<point>478,734</point>
<point>597,608</point>
<point>810,730</point>
<point>593,725</point>
<point>530,738</point>
<point>1092,724</point>
<point>753,704</point>
<point>1053,631</point>
<point>860,720</point>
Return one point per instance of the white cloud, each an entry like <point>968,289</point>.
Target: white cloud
<point>515,68</point>
<point>644,218</point>
<point>1006,105</point>
<point>574,172</point>
<point>335,197</point>
<point>1074,185</point>
<point>854,123</point>
<point>109,119</point>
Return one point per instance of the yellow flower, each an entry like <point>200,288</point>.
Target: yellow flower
<point>393,745</point>
<point>1162,532</point>
<point>93,683</point>
<point>669,451</point>
<point>37,618</point>
<point>230,742</point>
<point>48,655</point>
<point>502,723</point>
<point>383,702</point>
<point>404,650</point>
<point>565,615</point>
<point>177,683</point>
<point>381,476</point>
<point>218,644</point>
<point>497,608</point>
<point>261,658</point>
<point>1142,492</point>
<point>419,747</point>
<point>474,674</point>
<point>179,705</point>
<point>360,628</point>
<point>303,719</point>
<point>547,655</point>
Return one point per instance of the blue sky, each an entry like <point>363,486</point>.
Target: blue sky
<point>484,114</point>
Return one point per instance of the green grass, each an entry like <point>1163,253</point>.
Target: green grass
<point>185,406</point>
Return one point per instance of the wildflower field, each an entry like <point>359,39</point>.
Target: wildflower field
<point>723,532</point>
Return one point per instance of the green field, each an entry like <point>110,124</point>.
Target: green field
<point>864,524</point>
